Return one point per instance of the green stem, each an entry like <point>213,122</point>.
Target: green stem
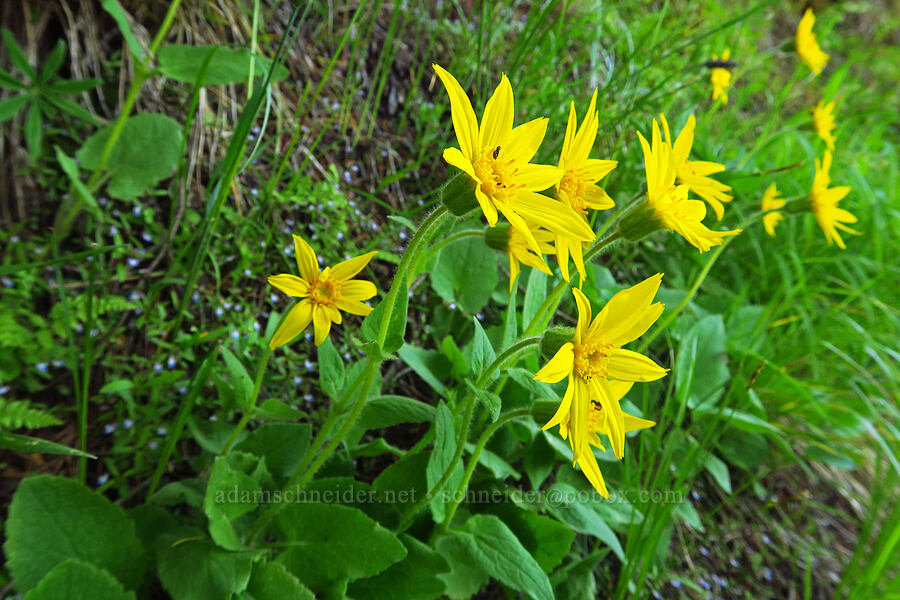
<point>251,405</point>
<point>421,237</point>
<point>470,468</point>
<point>450,239</point>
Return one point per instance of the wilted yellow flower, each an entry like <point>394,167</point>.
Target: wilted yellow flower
<point>695,173</point>
<point>578,187</point>
<point>322,292</point>
<point>823,119</point>
<point>666,202</point>
<point>519,251</point>
<point>825,203</point>
<point>595,356</point>
<point>495,155</point>
<point>771,201</point>
<point>597,425</point>
<point>721,78</point>
<point>807,45</point>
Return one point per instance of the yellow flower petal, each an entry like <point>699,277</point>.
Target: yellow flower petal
<point>354,307</point>
<point>524,140</point>
<point>455,157</point>
<point>535,178</point>
<point>563,411</point>
<point>293,324</point>
<point>306,259</point>
<point>357,289</point>
<point>496,123</point>
<point>584,315</point>
<point>559,366</point>
<point>290,285</point>
<point>588,463</point>
<point>631,366</point>
<point>348,268</point>
<point>464,122</point>
<point>321,323</point>
<point>552,215</point>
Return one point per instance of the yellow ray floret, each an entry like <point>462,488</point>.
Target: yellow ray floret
<point>520,252</point>
<point>595,357</point>
<point>771,202</point>
<point>807,46</point>
<point>323,294</point>
<point>825,204</point>
<point>578,187</point>
<point>720,78</point>
<point>496,156</point>
<point>823,119</point>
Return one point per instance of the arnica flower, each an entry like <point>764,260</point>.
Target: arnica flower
<point>772,201</point>
<point>667,205</point>
<point>578,186</point>
<point>506,238</point>
<point>825,204</point>
<point>597,425</point>
<point>496,156</point>
<point>324,294</point>
<point>594,357</point>
<point>807,45</point>
<point>721,78</point>
<point>695,173</point>
<point>823,119</point>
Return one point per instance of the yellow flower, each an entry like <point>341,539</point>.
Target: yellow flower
<point>807,45</point>
<point>771,201</point>
<point>578,186</point>
<point>595,355</point>
<point>520,252</point>
<point>695,173</point>
<point>825,204</point>
<point>721,78</point>
<point>322,292</point>
<point>669,203</point>
<point>597,424</point>
<point>823,118</point>
<point>495,155</point>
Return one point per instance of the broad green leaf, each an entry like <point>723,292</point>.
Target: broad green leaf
<point>396,328</point>
<point>331,370</point>
<point>459,366</point>
<point>709,362</point>
<point>482,352</point>
<point>743,448</point>
<point>32,445</point>
<point>719,471</point>
<point>193,568</point>
<point>271,581</point>
<point>183,62</point>
<point>77,580</point>
<point>275,409</point>
<point>386,411</point>
<point>428,364</point>
<point>466,273</point>
<point>73,109</point>
<point>490,400</point>
<point>499,467</point>
<point>281,444</point>
<point>563,500</point>
<point>539,460</point>
<point>413,578</point>
<point>465,577</point>
<point>326,543</point>
<point>229,494</point>
<point>121,18</point>
<point>53,519</point>
<point>535,294</point>
<point>131,167</point>
<point>577,580</point>
<point>403,483</point>
<point>741,420</point>
<point>439,462</point>
<point>497,551</point>
<point>240,379</point>
<point>10,106</point>
<point>511,322</point>
<point>686,511</point>
<point>546,539</point>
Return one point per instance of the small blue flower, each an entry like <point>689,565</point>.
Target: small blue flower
<point>227,305</point>
<point>247,272</point>
<point>235,334</point>
<point>8,283</point>
<point>182,390</point>
<point>147,237</point>
<point>219,311</point>
<point>3,390</point>
<point>675,583</point>
<point>109,428</point>
<point>734,563</point>
<point>298,380</point>
<point>335,105</point>
<point>153,445</point>
<point>162,431</point>
<point>136,211</point>
<point>308,364</point>
<point>102,479</point>
<point>213,418</point>
<point>256,326</point>
<point>402,236</point>
<point>128,423</point>
<point>254,192</point>
<point>113,230</point>
<point>452,306</point>
<point>288,250</point>
<point>238,307</point>
<point>273,298</point>
<point>255,129</point>
<point>321,260</point>
<point>133,263</point>
<point>157,367</point>
<point>308,397</point>
<point>339,236</point>
<point>42,367</point>
<point>195,297</point>
<point>171,362</point>
<point>103,201</point>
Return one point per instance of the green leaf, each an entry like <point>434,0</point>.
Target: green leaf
<point>10,106</point>
<point>131,167</point>
<point>466,273</point>
<point>386,411</point>
<point>535,294</point>
<point>331,370</point>
<point>413,578</point>
<point>281,444</point>
<point>430,365</point>
<point>53,62</point>
<point>193,568</point>
<point>511,322</point>
<point>490,400</point>
<point>33,133</point>
<point>17,55</point>
<point>482,351</point>
<point>327,543</point>
<point>7,81</point>
<point>459,366</point>
<point>396,328</point>
<point>77,580</point>
<point>275,409</point>
<point>73,86</point>
<point>743,448</point>
<point>70,168</point>
<point>73,109</point>
<point>229,494</point>
<point>539,460</point>
<point>708,361</point>
<point>581,518</point>
<point>496,550</point>
<point>465,577</point>
<point>32,445</point>
<point>241,382</point>
<point>719,471</point>
<point>271,581</point>
<point>183,62</point>
<point>402,484</point>
<point>52,519</point>
<point>121,18</point>
<point>546,539</point>
<point>687,513</point>
<point>440,459</point>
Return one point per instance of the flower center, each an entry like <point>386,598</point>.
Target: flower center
<point>573,186</point>
<point>591,360</point>
<point>325,291</point>
<point>497,176</point>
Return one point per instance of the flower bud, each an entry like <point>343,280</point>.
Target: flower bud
<point>800,205</point>
<point>639,222</point>
<point>497,237</point>
<point>554,339</point>
<point>458,194</point>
